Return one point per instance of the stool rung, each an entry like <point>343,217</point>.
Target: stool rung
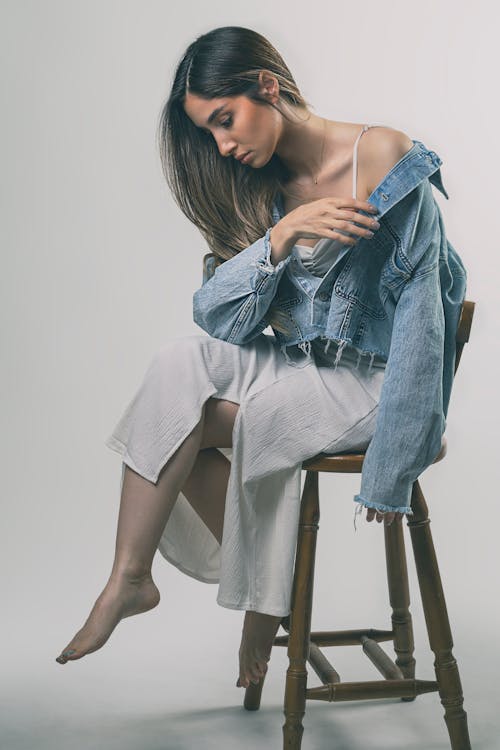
<point>353,691</point>
<point>341,637</point>
<point>381,660</point>
<point>318,661</point>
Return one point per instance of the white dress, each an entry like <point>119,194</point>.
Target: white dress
<point>287,414</point>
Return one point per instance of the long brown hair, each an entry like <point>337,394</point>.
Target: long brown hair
<point>228,202</point>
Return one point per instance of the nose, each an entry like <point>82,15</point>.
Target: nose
<point>227,148</point>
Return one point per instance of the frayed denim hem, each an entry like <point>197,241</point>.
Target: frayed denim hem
<point>305,346</point>
<point>380,507</point>
<point>266,265</point>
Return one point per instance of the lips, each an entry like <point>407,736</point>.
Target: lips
<point>243,157</point>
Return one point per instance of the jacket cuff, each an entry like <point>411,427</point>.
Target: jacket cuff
<point>381,507</point>
<point>264,264</point>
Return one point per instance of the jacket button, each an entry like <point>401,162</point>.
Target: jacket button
<point>323,296</point>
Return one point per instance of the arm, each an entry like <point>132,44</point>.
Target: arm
<point>232,303</point>
<point>410,420</point>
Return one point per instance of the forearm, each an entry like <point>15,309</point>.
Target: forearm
<point>282,240</point>
<point>232,304</point>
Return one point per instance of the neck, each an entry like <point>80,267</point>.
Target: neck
<point>300,144</point>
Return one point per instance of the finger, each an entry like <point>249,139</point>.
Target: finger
<point>346,222</point>
<point>354,203</point>
<point>354,216</point>
<point>385,516</point>
<point>335,234</point>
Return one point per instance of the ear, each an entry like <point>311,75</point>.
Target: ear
<point>268,85</point>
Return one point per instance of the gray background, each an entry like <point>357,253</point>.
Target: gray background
<point>91,242</point>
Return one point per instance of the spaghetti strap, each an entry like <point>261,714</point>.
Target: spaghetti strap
<point>355,160</point>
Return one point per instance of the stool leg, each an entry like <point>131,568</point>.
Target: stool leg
<point>438,626</point>
<point>300,616</point>
<point>399,597</point>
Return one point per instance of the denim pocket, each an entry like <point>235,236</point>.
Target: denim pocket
<point>358,283</point>
<point>397,268</point>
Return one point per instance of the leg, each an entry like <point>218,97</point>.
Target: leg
<point>300,621</point>
<point>144,511</point>
<point>438,625</point>
<point>258,634</point>
<point>199,470</point>
<point>399,597</point>
<point>206,489</point>
<point>206,486</point>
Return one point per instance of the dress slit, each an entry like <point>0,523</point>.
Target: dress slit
<point>285,416</point>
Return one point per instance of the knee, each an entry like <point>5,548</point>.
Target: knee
<point>219,418</point>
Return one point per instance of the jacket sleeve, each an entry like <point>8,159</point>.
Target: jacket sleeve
<point>410,420</point>
<point>232,303</point>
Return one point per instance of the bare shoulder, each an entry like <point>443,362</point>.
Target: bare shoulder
<point>380,149</point>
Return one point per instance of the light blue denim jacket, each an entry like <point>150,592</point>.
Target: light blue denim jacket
<point>397,295</point>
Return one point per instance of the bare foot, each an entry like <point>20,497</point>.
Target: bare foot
<point>121,597</point>
<point>259,631</point>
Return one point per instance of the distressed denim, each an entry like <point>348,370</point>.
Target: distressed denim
<point>398,295</point>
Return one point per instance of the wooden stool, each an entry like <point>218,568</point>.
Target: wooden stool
<point>399,676</point>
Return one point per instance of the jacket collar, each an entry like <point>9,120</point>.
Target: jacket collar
<point>416,165</point>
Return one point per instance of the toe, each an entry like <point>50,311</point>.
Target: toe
<point>255,670</point>
<point>260,669</point>
<point>67,655</point>
<point>255,674</point>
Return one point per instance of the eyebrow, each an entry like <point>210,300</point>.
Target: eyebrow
<point>214,114</point>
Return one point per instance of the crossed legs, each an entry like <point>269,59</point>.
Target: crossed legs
<point>202,473</point>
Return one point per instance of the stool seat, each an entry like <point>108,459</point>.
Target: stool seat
<point>346,462</point>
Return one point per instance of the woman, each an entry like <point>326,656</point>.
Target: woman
<point>232,94</point>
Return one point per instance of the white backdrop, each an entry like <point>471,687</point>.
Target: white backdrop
<point>91,239</point>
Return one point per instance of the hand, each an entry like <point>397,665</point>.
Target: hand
<point>330,217</point>
<point>386,517</point>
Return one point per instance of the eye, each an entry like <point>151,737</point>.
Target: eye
<point>227,123</point>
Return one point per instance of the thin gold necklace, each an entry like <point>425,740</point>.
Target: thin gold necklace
<point>322,149</point>
<point>298,197</point>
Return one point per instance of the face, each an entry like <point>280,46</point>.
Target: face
<point>238,125</point>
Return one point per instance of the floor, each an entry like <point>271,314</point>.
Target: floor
<point>139,692</point>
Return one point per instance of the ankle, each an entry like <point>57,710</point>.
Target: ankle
<point>130,573</point>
